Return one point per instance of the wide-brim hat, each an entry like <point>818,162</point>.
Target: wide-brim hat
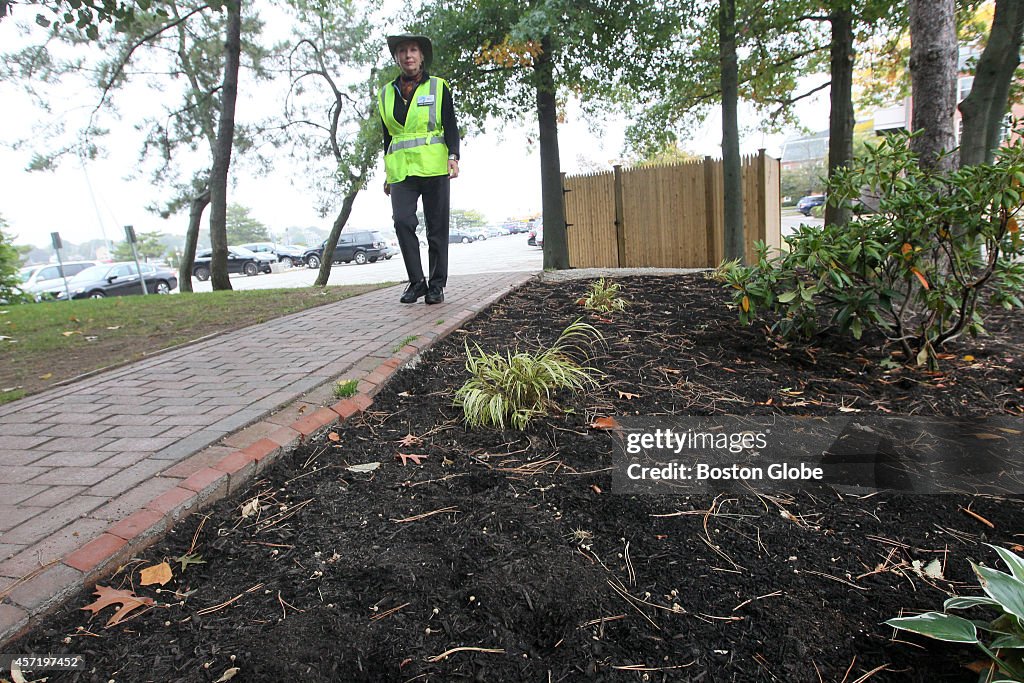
<point>426,47</point>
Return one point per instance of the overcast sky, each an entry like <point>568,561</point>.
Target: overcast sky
<point>499,174</point>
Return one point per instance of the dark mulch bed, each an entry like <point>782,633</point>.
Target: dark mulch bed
<point>532,554</point>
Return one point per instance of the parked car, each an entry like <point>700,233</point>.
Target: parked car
<point>536,238</point>
<point>807,203</point>
<point>285,253</point>
<point>455,236</point>
<point>478,234</point>
<point>239,261</point>
<point>119,279</point>
<point>44,281</point>
<point>359,246</point>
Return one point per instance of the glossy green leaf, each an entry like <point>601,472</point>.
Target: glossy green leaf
<point>967,602</point>
<point>1014,562</point>
<point>1007,643</point>
<point>939,626</point>
<point>1003,588</point>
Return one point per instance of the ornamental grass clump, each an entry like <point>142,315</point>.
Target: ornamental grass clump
<point>920,267</point>
<point>509,390</point>
<point>345,388</point>
<point>604,297</point>
<point>1002,638</point>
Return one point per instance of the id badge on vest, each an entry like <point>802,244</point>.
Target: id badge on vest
<point>424,100</point>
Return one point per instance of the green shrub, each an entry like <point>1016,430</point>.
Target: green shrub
<point>1003,639</point>
<point>818,211</point>
<point>603,297</point>
<point>510,390</point>
<point>917,269</point>
<point>10,262</point>
<point>346,388</point>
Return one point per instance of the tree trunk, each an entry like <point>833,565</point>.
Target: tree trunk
<point>984,108</point>
<point>222,158</point>
<point>933,75</point>
<point>556,246</point>
<point>339,223</point>
<point>188,257</point>
<point>735,244</point>
<point>841,120</point>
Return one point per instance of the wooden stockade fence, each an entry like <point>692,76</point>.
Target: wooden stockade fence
<point>667,216</point>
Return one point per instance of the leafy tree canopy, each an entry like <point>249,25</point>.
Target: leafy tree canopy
<point>601,49</point>
<point>243,228</point>
<point>148,245</point>
<point>883,74</point>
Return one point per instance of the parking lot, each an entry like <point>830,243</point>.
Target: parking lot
<point>508,253</point>
<point>791,219</point>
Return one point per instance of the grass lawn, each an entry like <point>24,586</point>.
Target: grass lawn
<point>43,344</point>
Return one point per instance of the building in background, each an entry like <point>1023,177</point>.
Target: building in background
<point>898,116</point>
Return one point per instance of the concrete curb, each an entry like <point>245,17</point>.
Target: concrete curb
<point>208,476</point>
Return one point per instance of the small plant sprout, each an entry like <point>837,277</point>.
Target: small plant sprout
<point>509,390</point>
<point>408,340</point>
<point>603,297</point>
<point>345,388</point>
<point>1002,638</point>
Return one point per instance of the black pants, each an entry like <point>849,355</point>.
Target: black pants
<point>435,193</point>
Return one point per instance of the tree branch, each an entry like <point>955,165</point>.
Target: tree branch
<point>131,50</point>
<point>793,100</point>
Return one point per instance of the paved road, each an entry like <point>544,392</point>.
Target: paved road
<point>792,219</point>
<point>505,254</point>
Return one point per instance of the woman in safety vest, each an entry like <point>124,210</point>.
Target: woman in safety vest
<point>421,155</point>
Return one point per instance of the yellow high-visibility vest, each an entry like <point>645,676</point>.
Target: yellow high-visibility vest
<point>417,148</point>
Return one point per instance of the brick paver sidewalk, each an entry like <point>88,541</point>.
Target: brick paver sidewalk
<point>95,470</point>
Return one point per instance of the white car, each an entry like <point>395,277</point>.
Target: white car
<point>44,280</point>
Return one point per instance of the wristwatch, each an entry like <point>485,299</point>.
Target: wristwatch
<point>452,157</point>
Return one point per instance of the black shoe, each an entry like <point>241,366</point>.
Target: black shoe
<point>413,292</point>
<point>435,295</point>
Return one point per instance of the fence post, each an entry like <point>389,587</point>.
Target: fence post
<point>710,209</point>
<point>565,219</point>
<point>762,195</point>
<point>620,230</point>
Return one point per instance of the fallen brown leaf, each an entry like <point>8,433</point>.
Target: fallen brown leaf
<point>410,440</point>
<point>604,423</point>
<point>158,573</point>
<point>228,675</point>
<point>406,457</point>
<point>111,596</point>
<point>333,436</point>
<point>979,666</point>
<point>626,395</point>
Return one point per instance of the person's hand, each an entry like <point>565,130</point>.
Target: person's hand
<point>387,189</point>
<point>453,168</point>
